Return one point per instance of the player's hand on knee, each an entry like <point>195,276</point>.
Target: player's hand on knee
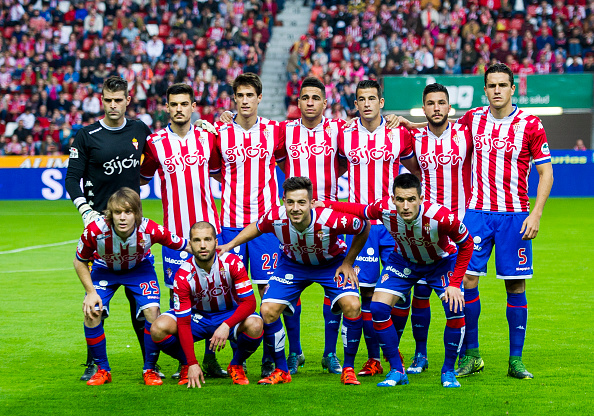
<point>344,275</point>
<point>92,305</point>
<point>219,338</point>
<point>195,376</point>
<point>454,297</point>
<point>530,227</point>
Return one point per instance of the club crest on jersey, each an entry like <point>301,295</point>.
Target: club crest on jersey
<point>320,234</point>
<point>142,242</point>
<point>357,269</point>
<point>135,143</point>
<point>427,227</point>
<point>516,127</point>
<point>390,136</point>
<point>266,133</point>
<point>545,149</point>
<point>385,277</point>
<point>328,130</point>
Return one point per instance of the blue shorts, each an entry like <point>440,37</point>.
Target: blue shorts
<point>172,260</point>
<point>260,255</point>
<point>513,256</point>
<point>379,246</point>
<point>141,281</point>
<point>205,324</point>
<point>400,275</point>
<point>290,279</point>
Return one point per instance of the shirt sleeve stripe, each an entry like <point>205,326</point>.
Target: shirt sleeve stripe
<point>542,160</point>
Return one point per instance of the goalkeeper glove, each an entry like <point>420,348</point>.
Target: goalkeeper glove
<point>205,125</point>
<point>88,214</point>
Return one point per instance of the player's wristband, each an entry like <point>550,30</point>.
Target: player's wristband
<point>84,208</point>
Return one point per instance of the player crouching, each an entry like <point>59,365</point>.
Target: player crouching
<point>431,244</point>
<point>213,300</point>
<point>120,246</point>
<point>312,252</point>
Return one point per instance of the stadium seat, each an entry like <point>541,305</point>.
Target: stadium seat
<point>314,15</point>
<point>439,53</point>
<point>336,55</point>
<point>86,47</point>
<point>152,29</point>
<point>164,31</point>
<point>503,25</point>
<point>338,41</point>
<point>516,23</point>
<point>8,32</point>
<point>311,29</point>
<point>293,112</point>
<point>201,44</point>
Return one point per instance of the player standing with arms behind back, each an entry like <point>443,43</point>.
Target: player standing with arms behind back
<point>183,154</point>
<point>444,153</point>
<point>106,156</point>
<point>248,147</point>
<point>506,141</point>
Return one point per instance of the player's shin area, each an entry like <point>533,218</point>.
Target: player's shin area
<point>349,305</point>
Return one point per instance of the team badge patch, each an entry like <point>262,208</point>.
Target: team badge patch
<point>356,223</point>
<point>135,143</point>
<point>407,271</point>
<point>320,234</point>
<point>385,277</point>
<point>73,153</point>
<point>357,270</point>
<point>545,149</point>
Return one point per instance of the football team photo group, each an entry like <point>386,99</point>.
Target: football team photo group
<point>428,205</point>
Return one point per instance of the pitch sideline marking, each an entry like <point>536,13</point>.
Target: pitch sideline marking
<point>20,250</point>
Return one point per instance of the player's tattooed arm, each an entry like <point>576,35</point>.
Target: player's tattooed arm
<point>531,224</point>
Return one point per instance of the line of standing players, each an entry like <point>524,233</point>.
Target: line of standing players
<point>481,163</point>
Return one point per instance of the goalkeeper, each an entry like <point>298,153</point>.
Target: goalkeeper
<point>106,156</point>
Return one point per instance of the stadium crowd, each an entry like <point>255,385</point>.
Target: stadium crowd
<point>54,56</point>
<point>350,41</point>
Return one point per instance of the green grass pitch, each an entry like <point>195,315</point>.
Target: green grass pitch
<point>42,343</point>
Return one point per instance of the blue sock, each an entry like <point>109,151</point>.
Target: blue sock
<point>517,319</point>
<point>293,325</point>
<point>351,335</point>
<point>207,351</point>
<point>472,311</point>
<point>274,338</point>
<point>420,317</point>
<point>371,341</point>
<point>331,328</point>
<point>151,349</point>
<point>246,346</point>
<point>400,316</point>
<point>171,346</point>
<point>388,337</point>
<point>96,343</point>
<point>452,338</point>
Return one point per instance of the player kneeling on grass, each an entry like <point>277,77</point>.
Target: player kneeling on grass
<point>120,246</point>
<point>426,236</point>
<point>312,252</point>
<point>213,300</point>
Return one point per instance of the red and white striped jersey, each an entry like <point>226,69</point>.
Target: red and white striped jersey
<point>374,159</point>
<point>432,236</point>
<point>216,290</point>
<point>320,242</point>
<point>248,159</point>
<point>313,153</point>
<point>503,153</point>
<point>100,242</point>
<point>445,163</point>
<point>183,164</point>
